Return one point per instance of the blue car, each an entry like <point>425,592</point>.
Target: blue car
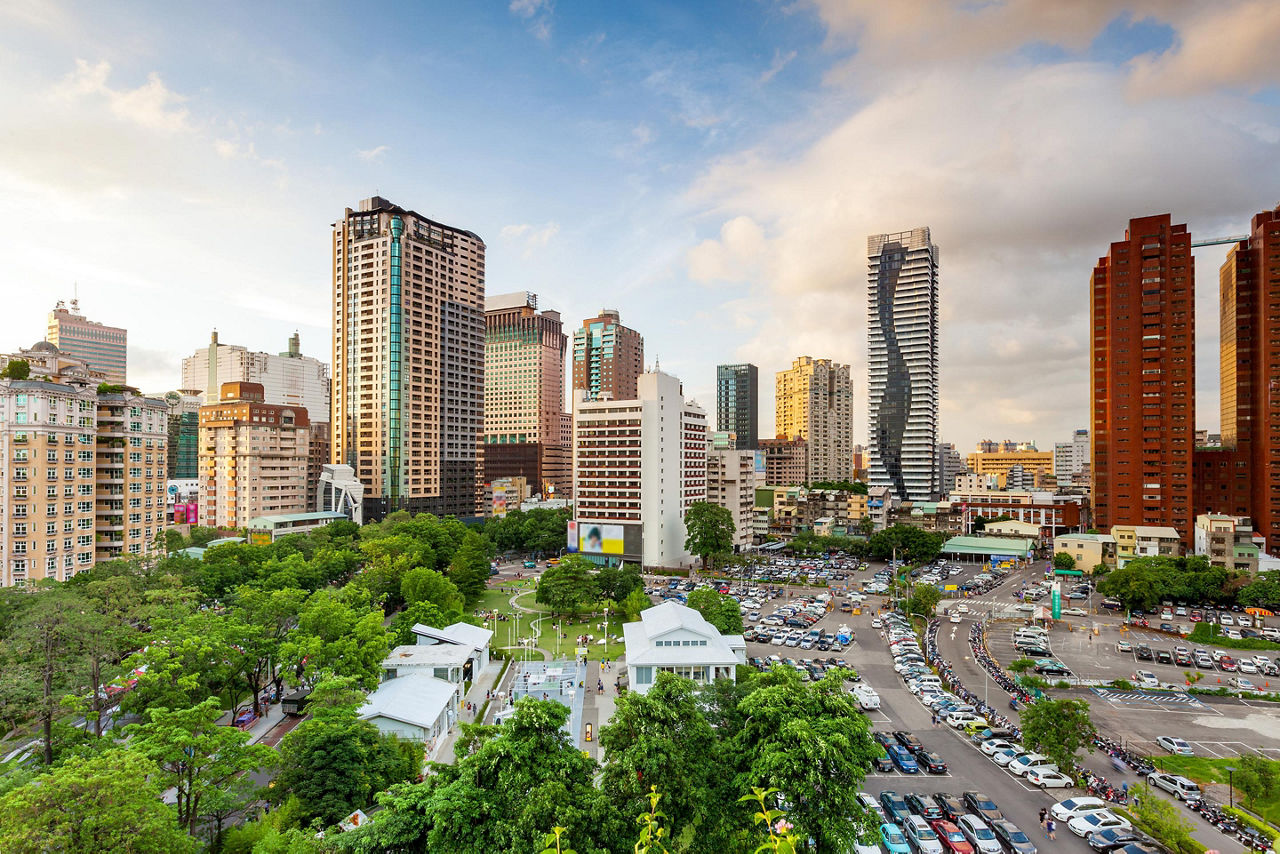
<point>895,807</point>
<point>902,758</point>
<point>893,840</point>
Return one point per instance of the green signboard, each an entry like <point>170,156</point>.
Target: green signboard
<point>1068,572</point>
<point>1057,602</point>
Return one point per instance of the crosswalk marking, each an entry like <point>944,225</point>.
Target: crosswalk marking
<point>1129,697</point>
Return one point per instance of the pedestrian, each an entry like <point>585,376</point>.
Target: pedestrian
<point>1052,827</point>
<point>1044,813</point>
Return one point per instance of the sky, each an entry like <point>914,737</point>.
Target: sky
<point>710,169</point>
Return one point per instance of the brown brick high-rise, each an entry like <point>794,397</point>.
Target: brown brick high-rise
<point>1142,378</point>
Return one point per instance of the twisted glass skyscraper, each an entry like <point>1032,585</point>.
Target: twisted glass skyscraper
<point>902,368</point>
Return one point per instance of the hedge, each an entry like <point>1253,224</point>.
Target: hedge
<point>1254,822</point>
<point>1203,633</point>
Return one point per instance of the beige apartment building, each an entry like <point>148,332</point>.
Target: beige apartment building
<point>253,458</point>
<point>814,402</point>
<point>408,359</point>
<point>785,461</point>
<point>1036,464</point>
<point>132,468</point>
<point>731,484</point>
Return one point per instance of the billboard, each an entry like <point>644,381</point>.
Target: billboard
<point>600,538</point>
<point>499,501</point>
<point>760,465</point>
<point>571,539</point>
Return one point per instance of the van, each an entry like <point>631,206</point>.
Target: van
<point>930,680</point>
<point>866,696</point>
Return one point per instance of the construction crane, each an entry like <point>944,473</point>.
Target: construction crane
<point>1217,241</point>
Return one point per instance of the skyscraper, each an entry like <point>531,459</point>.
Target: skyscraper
<point>408,359</point>
<point>288,378</point>
<point>524,352</point>
<point>902,326</point>
<point>1142,381</point>
<point>1239,478</point>
<point>608,357</point>
<point>105,348</point>
<point>737,404</point>
<point>1071,458</point>
<point>814,402</point>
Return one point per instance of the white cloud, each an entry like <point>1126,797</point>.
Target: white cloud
<point>1231,45</point>
<point>372,155</point>
<point>530,237</point>
<point>151,105</point>
<point>537,13</point>
<point>527,8</point>
<point>780,61</point>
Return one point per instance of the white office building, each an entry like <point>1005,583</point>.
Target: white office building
<point>288,378</point>
<point>676,639</point>
<point>1070,458</point>
<point>902,300</point>
<point>637,467</point>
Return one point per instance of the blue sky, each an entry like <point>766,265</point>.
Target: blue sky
<point>709,169</point>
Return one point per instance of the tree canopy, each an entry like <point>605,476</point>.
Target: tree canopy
<point>1145,581</point>
<point>710,531</point>
<point>720,611</point>
<point>912,545</point>
<point>1059,729</point>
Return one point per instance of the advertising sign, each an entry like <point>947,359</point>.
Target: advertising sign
<point>760,464</point>
<point>499,501</point>
<point>571,543</point>
<point>599,538</point>
<point>1057,600</point>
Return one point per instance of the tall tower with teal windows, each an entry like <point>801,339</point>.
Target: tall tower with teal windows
<point>608,357</point>
<point>407,399</point>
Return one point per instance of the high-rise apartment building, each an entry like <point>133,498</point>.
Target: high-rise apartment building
<point>902,369</point>
<point>950,466</point>
<point>184,433</point>
<point>786,461</point>
<point>132,468</point>
<point>731,484</point>
<point>288,378</point>
<point>408,359</point>
<point>1071,458</point>
<point>608,357</point>
<point>814,402</point>
<point>738,404</point>
<point>105,348</point>
<point>1142,379</point>
<point>1241,477</point>
<point>524,413</point>
<point>253,457</point>
<point>638,465</point>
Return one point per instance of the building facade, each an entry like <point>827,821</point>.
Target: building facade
<point>608,358</point>
<point>524,393</point>
<point>1134,541</point>
<point>253,458</point>
<point>104,348</point>
<point>408,359</point>
<point>131,472</point>
<point>184,433</point>
<point>731,484</point>
<point>637,467</point>
<point>1089,550</point>
<point>950,466</point>
<point>814,402</point>
<point>287,378</point>
<point>1071,458</point>
<point>786,461</point>
<point>1228,541</point>
<point>902,367</point>
<point>1031,465</point>
<point>738,404</point>
<point>1142,380</point>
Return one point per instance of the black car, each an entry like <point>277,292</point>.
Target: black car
<point>950,805</point>
<point>883,738</point>
<point>1112,838</point>
<point>931,762</point>
<point>883,764</point>
<point>1053,668</point>
<point>1035,651</point>
<point>909,741</point>
<point>1163,656</point>
<point>923,806</point>
<point>1144,652</point>
<point>982,806</point>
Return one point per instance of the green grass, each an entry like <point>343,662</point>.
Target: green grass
<point>1210,633</point>
<point>1202,769</point>
<point>506,637</point>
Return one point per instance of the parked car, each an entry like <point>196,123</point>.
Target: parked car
<point>1032,761</point>
<point>1124,647</point>
<point>951,837</point>
<point>979,835</point>
<point>872,805</point>
<point>1178,786</point>
<point>892,839</point>
<point>992,746</point>
<point>982,806</point>
<point>1175,745</point>
<point>1049,779</point>
<point>1072,807</point>
<point>931,762</point>
<point>1093,822</point>
<point>950,805</point>
<point>894,806</point>
<point>909,741</point>
<point>1109,840</point>
<point>921,836</point>
<point>902,759</point>
<point>923,806</point>
<point>1013,838</point>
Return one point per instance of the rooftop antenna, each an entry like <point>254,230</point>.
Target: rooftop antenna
<point>75,296</point>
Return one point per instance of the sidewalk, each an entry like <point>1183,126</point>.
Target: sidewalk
<point>271,715</point>
<point>486,681</point>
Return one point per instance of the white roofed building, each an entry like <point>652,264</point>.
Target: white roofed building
<point>415,706</point>
<point>677,639</point>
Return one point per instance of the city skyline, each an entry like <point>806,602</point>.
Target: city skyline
<point>709,174</point>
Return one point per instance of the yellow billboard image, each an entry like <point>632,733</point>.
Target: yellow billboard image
<point>599,538</point>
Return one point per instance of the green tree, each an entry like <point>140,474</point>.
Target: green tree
<point>811,742</point>
<point>1059,729</point>
<point>525,777</point>
<point>44,648</point>
<point>1063,560</point>
<point>422,584</point>
<point>109,803</point>
<point>338,632</point>
<point>1262,593</point>
<point>185,661</point>
<point>334,763</point>
<point>16,369</point>
<point>662,738</point>
<point>255,627</point>
<point>636,601</point>
<point>196,755</point>
<point>710,532</point>
<point>720,611</point>
<point>1141,583</point>
<point>1257,777</point>
<point>924,599</point>
<point>617,582</point>
<point>567,586</point>
<point>1163,821</point>
<point>469,569</point>
<point>909,543</point>
<point>425,613</point>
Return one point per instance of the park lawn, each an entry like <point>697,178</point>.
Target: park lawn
<point>1203,769</point>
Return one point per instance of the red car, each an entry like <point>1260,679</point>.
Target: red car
<point>1228,664</point>
<point>951,837</point>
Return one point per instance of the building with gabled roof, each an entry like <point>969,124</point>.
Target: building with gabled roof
<point>677,639</point>
<point>415,707</point>
<point>464,635</point>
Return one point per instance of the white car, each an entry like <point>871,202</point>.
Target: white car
<point>962,608</point>
<point>1075,807</point>
<point>1175,745</point>
<point>877,623</point>
<point>1146,679</point>
<point>1074,612</point>
<point>992,746</point>
<point>1247,666</point>
<point>1047,779</point>
<point>956,720</point>
<point>1241,684</point>
<point>955,618</point>
<point>1004,757</point>
<point>1093,822</point>
<point>1032,761</point>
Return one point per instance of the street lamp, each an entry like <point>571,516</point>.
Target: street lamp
<point>1231,792</point>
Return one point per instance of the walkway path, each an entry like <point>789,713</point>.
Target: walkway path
<point>484,683</point>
